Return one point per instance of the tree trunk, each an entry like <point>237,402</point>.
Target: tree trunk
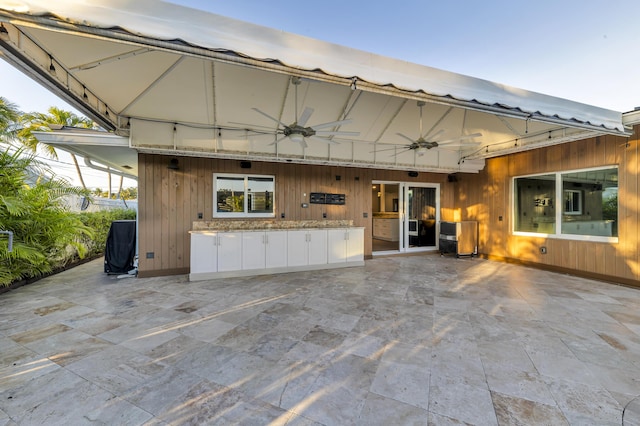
<point>120,187</point>
<point>109,178</point>
<point>75,162</point>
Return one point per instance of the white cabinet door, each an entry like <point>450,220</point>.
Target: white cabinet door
<point>337,245</point>
<point>297,248</point>
<point>355,245</point>
<point>253,250</point>
<point>317,246</point>
<point>276,249</point>
<point>229,251</point>
<point>204,252</point>
<point>345,245</point>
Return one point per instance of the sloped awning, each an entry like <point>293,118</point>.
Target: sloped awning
<point>101,151</point>
<point>177,80</point>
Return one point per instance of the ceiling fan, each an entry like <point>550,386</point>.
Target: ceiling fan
<point>299,132</point>
<point>422,144</point>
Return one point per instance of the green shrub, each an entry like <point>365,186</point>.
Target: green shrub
<point>99,223</point>
<point>46,236</point>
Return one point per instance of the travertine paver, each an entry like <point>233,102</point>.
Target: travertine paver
<point>403,340</point>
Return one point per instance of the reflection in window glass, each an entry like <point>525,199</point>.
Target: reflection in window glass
<point>587,200</point>
<point>260,193</point>
<point>591,202</point>
<point>535,204</point>
<point>230,194</point>
<point>243,196</point>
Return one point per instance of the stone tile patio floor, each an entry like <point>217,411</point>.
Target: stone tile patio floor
<point>403,340</point>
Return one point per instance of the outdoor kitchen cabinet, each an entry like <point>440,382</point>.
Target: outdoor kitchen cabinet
<point>306,247</point>
<point>215,252</point>
<point>345,245</point>
<point>224,254</point>
<point>264,249</point>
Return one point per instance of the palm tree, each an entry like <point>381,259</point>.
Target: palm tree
<point>9,116</point>
<point>36,121</point>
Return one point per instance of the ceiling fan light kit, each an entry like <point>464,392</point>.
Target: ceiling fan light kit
<point>300,133</point>
<point>422,144</point>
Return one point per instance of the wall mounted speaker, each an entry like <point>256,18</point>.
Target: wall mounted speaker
<point>245,164</point>
<point>413,174</point>
<point>452,178</point>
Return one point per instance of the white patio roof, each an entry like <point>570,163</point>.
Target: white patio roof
<point>182,81</point>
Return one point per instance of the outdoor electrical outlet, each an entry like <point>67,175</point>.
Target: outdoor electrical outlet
<point>150,255</point>
<point>324,215</point>
<point>543,250</point>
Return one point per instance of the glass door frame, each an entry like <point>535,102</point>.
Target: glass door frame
<point>403,222</point>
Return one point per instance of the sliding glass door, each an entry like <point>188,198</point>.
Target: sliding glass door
<point>421,215</point>
<point>404,216</point>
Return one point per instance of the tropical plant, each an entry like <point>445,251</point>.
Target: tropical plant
<point>610,207</point>
<point>9,116</point>
<point>45,235</point>
<point>100,223</point>
<point>129,193</point>
<point>125,193</point>
<point>41,122</point>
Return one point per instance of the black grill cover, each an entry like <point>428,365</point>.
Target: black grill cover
<point>120,250</point>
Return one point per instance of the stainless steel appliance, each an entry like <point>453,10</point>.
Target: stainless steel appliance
<point>460,238</point>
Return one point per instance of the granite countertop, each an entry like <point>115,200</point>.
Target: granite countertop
<point>254,224</point>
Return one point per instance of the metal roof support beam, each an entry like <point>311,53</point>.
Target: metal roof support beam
<point>46,79</point>
<point>88,163</point>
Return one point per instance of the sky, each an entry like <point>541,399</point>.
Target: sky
<point>583,50</point>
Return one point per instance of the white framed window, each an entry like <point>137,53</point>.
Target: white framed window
<point>237,195</point>
<point>586,201</point>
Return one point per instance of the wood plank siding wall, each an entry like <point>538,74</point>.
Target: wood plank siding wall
<point>486,198</point>
<point>170,200</point>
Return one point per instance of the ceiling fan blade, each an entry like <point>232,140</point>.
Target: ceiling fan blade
<point>337,133</point>
<point>405,137</point>
<point>269,117</point>
<point>324,140</point>
<point>277,140</point>
<point>305,116</point>
<point>331,124</point>
<point>434,136</point>
<point>389,149</point>
<point>461,138</point>
<point>401,152</point>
